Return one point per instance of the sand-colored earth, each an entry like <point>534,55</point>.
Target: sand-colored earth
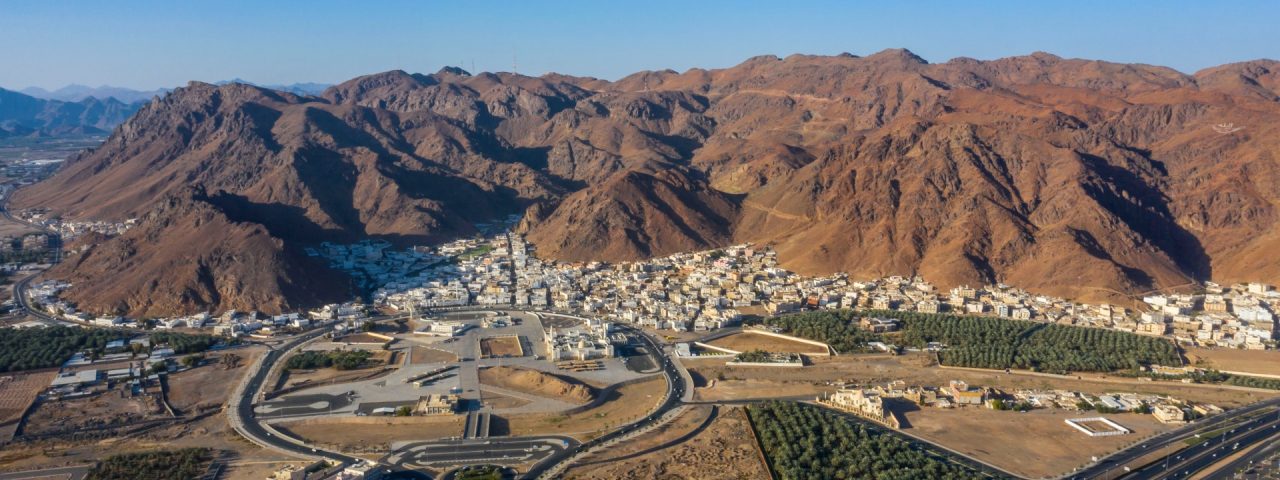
<point>499,401</point>
<point>209,384</point>
<point>709,443</point>
<point>1034,444</point>
<point>624,405</point>
<point>748,341</point>
<point>419,355</point>
<point>508,346</point>
<point>1263,362</point>
<point>373,434</point>
<point>539,383</point>
<point>717,382</point>
<point>18,390</point>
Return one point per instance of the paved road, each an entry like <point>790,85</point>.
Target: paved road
<point>675,389</point>
<point>423,455</point>
<point>1116,462</point>
<point>1193,459</point>
<point>62,473</point>
<point>20,288</point>
<point>1269,447</point>
<point>245,422</point>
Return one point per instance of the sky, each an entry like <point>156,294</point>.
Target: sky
<point>146,44</point>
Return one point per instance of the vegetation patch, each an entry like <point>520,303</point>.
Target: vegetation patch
<point>806,442</point>
<point>159,465</point>
<point>836,328</point>
<point>32,348</point>
<point>339,359</point>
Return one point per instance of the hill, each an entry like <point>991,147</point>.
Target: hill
<point>1077,178</point>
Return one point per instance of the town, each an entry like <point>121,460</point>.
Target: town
<point>707,290</point>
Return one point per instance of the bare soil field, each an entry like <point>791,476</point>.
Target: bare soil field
<point>1034,444</point>
<point>500,401</point>
<point>688,447</point>
<point>210,383</point>
<point>373,434</point>
<point>105,410</point>
<point>208,431</point>
<point>18,390</point>
<point>747,341</point>
<point>508,346</point>
<point>419,355</point>
<point>1265,362</point>
<point>539,383</point>
<point>725,383</point>
<point>623,406</point>
<point>361,338</point>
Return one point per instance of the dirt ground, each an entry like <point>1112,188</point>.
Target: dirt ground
<point>18,390</point>
<point>210,383</point>
<point>714,381</point>
<point>624,405</point>
<point>539,383</point>
<point>373,434</point>
<point>419,355</point>
<point>688,447</point>
<point>747,341</point>
<point>501,347</point>
<point>500,401</point>
<point>1034,444</point>
<point>1265,362</point>
<point>210,431</point>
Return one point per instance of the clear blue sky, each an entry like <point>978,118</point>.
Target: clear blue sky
<point>148,44</point>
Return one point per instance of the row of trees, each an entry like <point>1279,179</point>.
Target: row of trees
<point>986,342</point>
<point>33,348</point>
<point>159,465</point>
<point>339,359</point>
<point>1255,382</point>
<point>837,328</point>
<point>184,343</point>
<point>805,442</point>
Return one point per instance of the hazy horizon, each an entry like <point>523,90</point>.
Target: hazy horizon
<point>145,45</point>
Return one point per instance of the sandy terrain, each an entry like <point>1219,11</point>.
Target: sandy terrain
<point>210,383</point>
<point>731,383</point>
<point>534,382</point>
<point>373,434</point>
<point>209,431</point>
<point>747,341</point>
<point>1265,362</point>
<point>18,390</point>
<point>688,447</point>
<point>419,355</point>
<point>1034,444</point>
<point>500,401</point>
<point>501,347</point>
<point>625,405</point>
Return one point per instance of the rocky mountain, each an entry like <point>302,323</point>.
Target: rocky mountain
<point>1069,177</point>
<point>76,93</point>
<point>25,115</point>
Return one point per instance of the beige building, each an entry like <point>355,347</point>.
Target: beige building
<point>436,405</point>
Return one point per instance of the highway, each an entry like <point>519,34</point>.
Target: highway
<point>20,288</point>
<point>245,422</point>
<point>1267,449</point>
<point>1193,459</point>
<point>1114,464</point>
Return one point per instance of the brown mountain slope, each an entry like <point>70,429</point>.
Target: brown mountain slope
<point>188,256</point>
<point>1073,177</point>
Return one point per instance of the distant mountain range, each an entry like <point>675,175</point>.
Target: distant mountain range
<point>24,115</point>
<point>83,110</point>
<point>1085,179</point>
<point>76,93</point>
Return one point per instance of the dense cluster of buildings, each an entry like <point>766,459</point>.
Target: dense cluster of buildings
<point>588,341</point>
<point>707,290</point>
